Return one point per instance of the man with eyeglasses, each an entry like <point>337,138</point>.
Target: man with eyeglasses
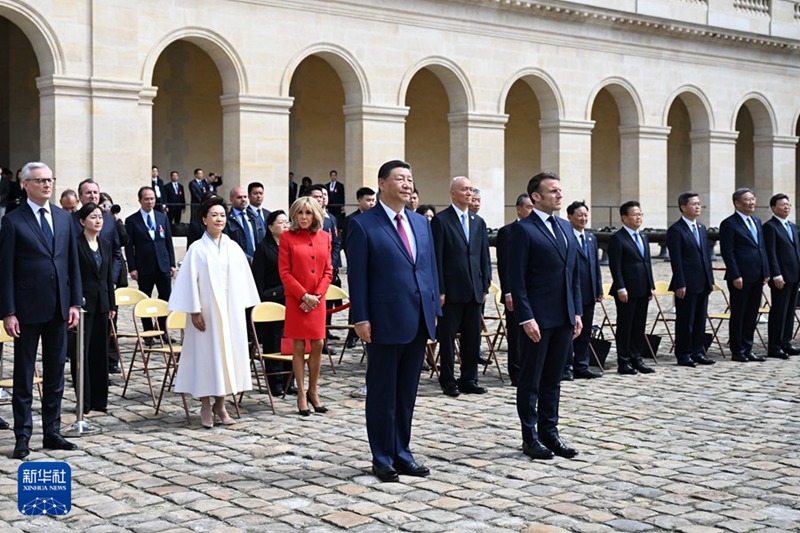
<point>40,297</point>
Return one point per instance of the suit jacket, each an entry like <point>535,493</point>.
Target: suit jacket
<point>343,234</point>
<point>266,273</point>
<point>629,270</point>
<point>329,225</point>
<point>197,190</point>
<point>98,285</point>
<point>32,278</point>
<point>335,197</point>
<point>744,258</point>
<point>145,255</point>
<point>691,266</point>
<point>292,192</point>
<point>175,200</point>
<point>387,287</point>
<point>236,232</point>
<point>545,283</point>
<point>158,187</point>
<point>589,268</point>
<point>502,258</point>
<point>465,269</point>
<point>783,254</point>
<point>260,223</point>
<point>111,235</point>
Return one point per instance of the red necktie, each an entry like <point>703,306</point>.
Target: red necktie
<point>403,236</point>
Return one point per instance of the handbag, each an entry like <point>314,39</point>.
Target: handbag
<point>287,346</point>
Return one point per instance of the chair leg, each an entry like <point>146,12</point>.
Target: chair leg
<point>596,359</point>
<point>236,405</point>
<point>186,409</point>
<point>167,374</point>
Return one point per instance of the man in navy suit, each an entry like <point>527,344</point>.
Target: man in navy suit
<point>783,252</point>
<point>741,243</point>
<point>394,296</point>
<point>258,213</point>
<point>545,288</point>
<point>591,292</point>
<point>692,281</point>
<point>151,257</point>
<point>243,225</point>
<point>632,287</point>
<point>465,272</point>
<point>158,188</point>
<point>197,188</point>
<point>292,189</point>
<point>175,197</point>
<point>524,206</point>
<point>40,297</point>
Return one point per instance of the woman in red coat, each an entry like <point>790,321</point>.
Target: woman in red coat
<point>304,263</point>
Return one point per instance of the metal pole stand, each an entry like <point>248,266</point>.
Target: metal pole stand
<point>80,427</point>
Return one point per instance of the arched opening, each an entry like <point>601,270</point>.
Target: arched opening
<point>679,153</point>
<point>754,150</point>
<point>19,98</point>
<point>187,113</point>
<point>745,149</point>
<point>523,142</point>
<point>606,161</point>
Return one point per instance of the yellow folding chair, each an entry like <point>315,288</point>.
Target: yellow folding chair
<point>335,293</point>
<point>9,383</point>
<point>606,317</point>
<point>125,297</point>
<point>151,308</point>
<point>719,317</point>
<point>662,291</point>
<point>176,321</point>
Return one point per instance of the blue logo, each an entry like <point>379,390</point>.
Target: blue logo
<point>44,488</point>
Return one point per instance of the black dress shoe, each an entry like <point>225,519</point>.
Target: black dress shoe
<point>483,361</point>
<point>701,359</point>
<point>412,469</point>
<point>536,450</point>
<point>756,358</point>
<point>55,441</point>
<point>4,424</point>
<point>791,350</point>
<point>292,390</point>
<point>626,369</point>
<point>351,342</point>
<point>568,375</point>
<point>471,387</point>
<point>386,473</point>
<point>332,336</point>
<point>559,447</point>
<point>686,362</point>
<point>780,354</point>
<point>739,358</point>
<point>21,450</point>
<point>588,374</point>
<point>451,389</point>
<point>641,367</point>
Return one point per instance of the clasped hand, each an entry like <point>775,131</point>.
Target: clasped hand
<point>309,302</point>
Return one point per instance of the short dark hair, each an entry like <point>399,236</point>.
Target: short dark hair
<point>624,208</point>
<point>423,208</point>
<point>306,178</point>
<point>316,187</point>
<point>574,206</point>
<point>84,182</point>
<point>775,199</point>
<point>254,185</point>
<point>145,188</point>
<point>208,203</point>
<point>741,191</point>
<point>536,181</point>
<point>154,167</point>
<point>684,197</point>
<point>87,209</point>
<point>386,168</point>
<point>364,191</point>
<point>521,200</point>
<point>174,172</point>
<point>273,216</point>
<point>197,170</point>
<point>333,172</point>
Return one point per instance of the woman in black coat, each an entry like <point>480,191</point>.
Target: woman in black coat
<point>95,260</point>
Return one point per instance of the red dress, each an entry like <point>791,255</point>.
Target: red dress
<point>304,263</point>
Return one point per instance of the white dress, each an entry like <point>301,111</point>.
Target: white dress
<point>217,282</point>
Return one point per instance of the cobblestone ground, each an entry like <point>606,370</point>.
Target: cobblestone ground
<point>707,449</point>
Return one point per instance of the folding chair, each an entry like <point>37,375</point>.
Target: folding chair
<point>9,383</point>
<point>151,308</point>
<point>176,320</point>
<point>606,317</point>
<point>262,313</point>
<point>662,290</point>
<point>491,335</point>
<point>125,297</point>
<point>337,293</point>
<point>719,317</point>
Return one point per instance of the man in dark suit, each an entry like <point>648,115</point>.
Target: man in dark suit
<point>692,281</point>
<point>197,188</point>
<point>175,197</point>
<point>741,243</point>
<point>465,272</point>
<point>292,189</point>
<point>783,252</point>
<point>394,294</point>
<point>151,257</point>
<point>242,227</point>
<point>545,288</point>
<point>365,200</point>
<point>524,206</point>
<point>336,197</point>
<point>591,292</point>
<point>157,184</point>
<point>40,297</point>
<point>632,287</point>
<point>258,213</point>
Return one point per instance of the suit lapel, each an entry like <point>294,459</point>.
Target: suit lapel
<point>33,222</point>
<point>541,226</point>
<point>388,227</point>
<point>455,220</point>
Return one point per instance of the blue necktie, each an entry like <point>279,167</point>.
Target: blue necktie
<point>696,234</point>
<point>583,245</point>
<point>752,228</point>
<point>464,225</point>
<point>151,225</point>
<point>791,232</point>
<point>248,235</point>
<point>638,242</point>
<point>46,229</point>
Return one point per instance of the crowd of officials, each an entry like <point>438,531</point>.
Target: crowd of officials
<point>414,274</point>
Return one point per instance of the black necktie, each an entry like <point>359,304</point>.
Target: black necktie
<point>46,229</point>
<point>562,246</point>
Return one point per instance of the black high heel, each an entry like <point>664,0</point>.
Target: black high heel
<point>303,412</point>
<point>317,409</point>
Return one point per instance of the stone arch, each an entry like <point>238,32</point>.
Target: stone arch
<point>698,105</point>
<point>41,35</point>
<point>453,79</point>
<point>350,71</point>
<point>764,120</point>
<point>629,103</point>
<point>543,86</point>
<point>222,53</point>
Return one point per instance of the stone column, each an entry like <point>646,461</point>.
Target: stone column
<point>477,150</point>
<point>567,151</point>
<point>775,166</point>
<point>714,172</point>
<point>373,135</point>
<point>643,170</point>
<point>255,144</point>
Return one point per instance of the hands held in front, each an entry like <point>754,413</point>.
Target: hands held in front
<point>309,302</point>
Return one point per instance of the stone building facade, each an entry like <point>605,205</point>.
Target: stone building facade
<point>625,99</point>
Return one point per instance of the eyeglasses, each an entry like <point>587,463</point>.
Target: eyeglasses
<point>42,181</point>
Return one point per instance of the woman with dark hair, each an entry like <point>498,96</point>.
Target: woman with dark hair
<point>215,286</point>
<point>427,210</point>
<point>94,255</point>
<point>305,187</point>
<point>305,268</point>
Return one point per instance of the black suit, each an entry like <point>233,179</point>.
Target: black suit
<point>237,232</point>
<point>292,192</point>
<point>465,272</point>
<point>329,225</point>
<point>197,189</point>
<point>744,258</point>
<point>512,325</point>
<point>38,284</point>
<point>691,270</point>
<point>591,290</point>
<point>152,258</point>
<point>259,217</point>
<point>176,202</point>
<point>158,187</point>
<point>98,294</point>
<point>336,200</point>
<point>109,234</point>
<point>783,254</point>
<point>545,287</point>
<point>632,271</point>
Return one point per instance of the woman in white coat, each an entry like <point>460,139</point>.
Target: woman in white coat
<point>215,286</point>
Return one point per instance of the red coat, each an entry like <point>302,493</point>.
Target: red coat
<point>304,263</point>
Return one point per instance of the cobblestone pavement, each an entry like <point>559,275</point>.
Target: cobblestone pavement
<point>698,450</point>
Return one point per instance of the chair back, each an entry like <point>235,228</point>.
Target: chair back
<point>128,296</point>
<point>268,312</point>
<point>662,288</point>
<point>336,293</point>
<point>5,337</point>
<point>606,290</point>
<point>176,320</point>
<point>150,308</point>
